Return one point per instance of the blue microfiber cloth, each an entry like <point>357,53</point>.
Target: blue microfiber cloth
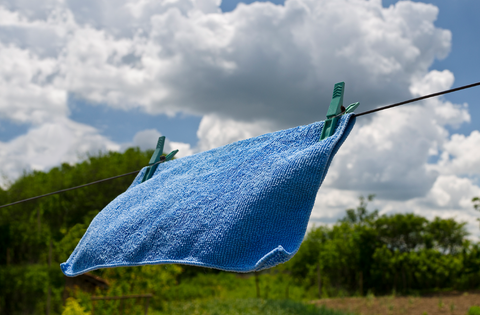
<point>242,207</point>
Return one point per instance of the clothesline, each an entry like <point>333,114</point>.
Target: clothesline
<point>418,99</point>
<point>135,172</point>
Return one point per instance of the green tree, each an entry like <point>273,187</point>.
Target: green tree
<point>402,232</point>
<point>360,214</point>
<point>446,235</point>
<point>476,205</point>
<point>73,308</point>
<point>402,252</point>
<point>37,236</point>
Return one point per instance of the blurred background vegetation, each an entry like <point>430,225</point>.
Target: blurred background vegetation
<point>363,253</point>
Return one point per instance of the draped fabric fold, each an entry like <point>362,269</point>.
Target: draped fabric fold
<point>242,207</point>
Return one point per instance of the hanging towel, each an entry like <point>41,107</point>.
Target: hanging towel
<point>242,207</point>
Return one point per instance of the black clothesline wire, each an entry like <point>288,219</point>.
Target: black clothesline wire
<point>72,188</point>
<point>68,189</point>
<point>359,114</point>
<point>418,99</point>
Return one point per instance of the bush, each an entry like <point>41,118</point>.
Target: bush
<point>474,310</point>
<point>73,308</point>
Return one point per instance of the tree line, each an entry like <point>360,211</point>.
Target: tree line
<point>404,253</point>
<point>362,253</point>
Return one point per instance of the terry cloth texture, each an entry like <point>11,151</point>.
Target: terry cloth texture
<point>242,207</point>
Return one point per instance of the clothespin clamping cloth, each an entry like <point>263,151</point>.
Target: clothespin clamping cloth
<point>336,110</point>
<point>157,158</point>
<point>242,207</point>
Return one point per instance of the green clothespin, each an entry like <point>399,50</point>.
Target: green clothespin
<point>336,110</point>
<point>157,158</point>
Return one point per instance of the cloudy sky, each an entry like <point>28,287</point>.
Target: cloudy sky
<point>84,76</point>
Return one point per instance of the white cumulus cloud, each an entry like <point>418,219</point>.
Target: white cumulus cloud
<point>147,140</point>
<point>49,145</point>
<point>258,62</point>
<point>461,155</point>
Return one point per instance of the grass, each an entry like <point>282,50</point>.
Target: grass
<point>474,310</point>
<point>231,286</point>
<point>246,307</point>
<point>440,303</point>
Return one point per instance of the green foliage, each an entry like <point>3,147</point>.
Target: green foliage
<point>446,235</point>
<point>360,214</point>
<point>474,310</point>
<point>158,280</point>
<point>27,229</point>
<point>246,307</point>
<point>73,308</point>
<point>401,232</point>
<point>24,289</point>
<point>275,284</point>
<point>399,252</point>
<point>363,252</point>
<point>476,203</point>
<point>37,234</point>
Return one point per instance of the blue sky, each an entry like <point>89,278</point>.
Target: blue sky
<point>81,77</point>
